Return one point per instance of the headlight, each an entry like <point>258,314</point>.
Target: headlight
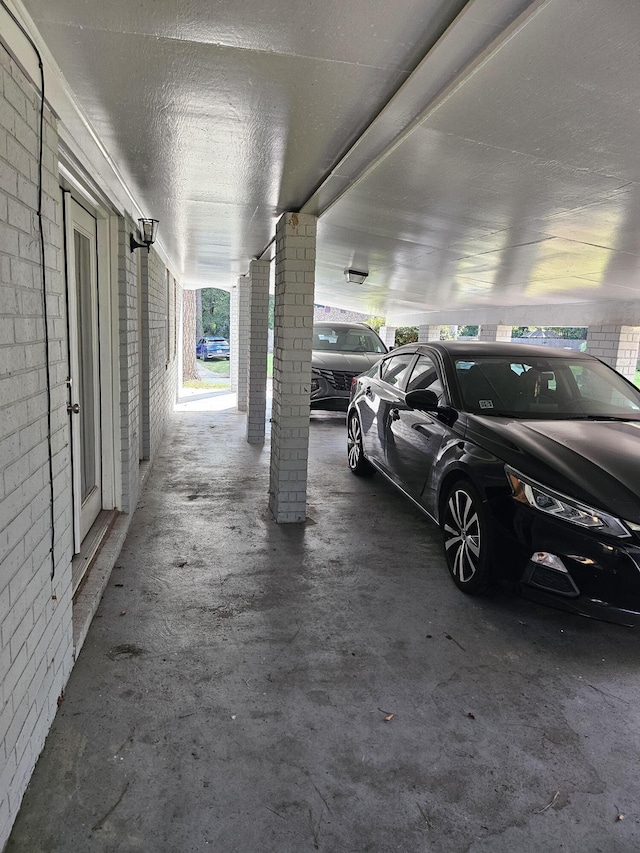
<point>552,503</point>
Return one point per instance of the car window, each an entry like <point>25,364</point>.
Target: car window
<point>393,370</point>
<point>340,339</point>
<point>424,375</point>
<point>545,387</point>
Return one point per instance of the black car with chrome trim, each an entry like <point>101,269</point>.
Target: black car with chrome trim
<point>340,351</point>
<point>528,457</point>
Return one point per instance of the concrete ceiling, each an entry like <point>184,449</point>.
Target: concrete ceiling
<point>479,159</point>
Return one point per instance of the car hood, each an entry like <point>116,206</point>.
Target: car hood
<point>597,462</point>
<point>350,362</point>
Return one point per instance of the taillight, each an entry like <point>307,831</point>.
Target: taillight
<point>354,385</point>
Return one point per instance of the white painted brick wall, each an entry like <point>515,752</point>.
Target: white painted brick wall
<point>493,332</point>
<point>388,335</point>
<point>616,345</point>
<point>243,291</point>
<point>293,313</point>
<point>428,333</point>
<point>234,331</point>
<point>35,610</point>
<point>258,345</point>
<point>129,367</point>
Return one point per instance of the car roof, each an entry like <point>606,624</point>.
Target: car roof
<point>457,348</point>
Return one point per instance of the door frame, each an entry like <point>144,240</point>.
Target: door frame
<point>75,186</point>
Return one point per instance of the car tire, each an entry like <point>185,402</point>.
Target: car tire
<point>358,464</point>
<point>468,541</point>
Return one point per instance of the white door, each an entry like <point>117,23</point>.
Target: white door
<point>84,351</point>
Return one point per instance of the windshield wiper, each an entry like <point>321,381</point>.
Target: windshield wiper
<point>622,419</point>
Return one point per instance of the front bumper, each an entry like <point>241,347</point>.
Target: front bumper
<point>602,577</point>
<point>330,390</point>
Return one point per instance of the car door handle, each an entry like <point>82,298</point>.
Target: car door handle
<point>424,430</point>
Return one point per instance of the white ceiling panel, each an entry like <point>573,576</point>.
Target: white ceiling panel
<point>479,153</point>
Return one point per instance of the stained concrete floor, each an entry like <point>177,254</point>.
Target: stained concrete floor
<point>236,690</point>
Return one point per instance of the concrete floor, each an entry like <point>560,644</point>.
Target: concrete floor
<point>235,691</point>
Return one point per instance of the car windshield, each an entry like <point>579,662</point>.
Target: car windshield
<point>553,387</point>
<point>343,339</point>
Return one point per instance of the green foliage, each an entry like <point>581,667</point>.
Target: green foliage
<point>215,312</point>
<point>519,331</point>
<point>376,323</point>
<point>467,331</point>
<point>406,335</point>
<point>572,332</point>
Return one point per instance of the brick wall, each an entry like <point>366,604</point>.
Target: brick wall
<point>293,312</point>
<point>162,360</point>
<point>129,357</point>
<point>616,345</point>
<point>35,610</point>
<point>327,314</point>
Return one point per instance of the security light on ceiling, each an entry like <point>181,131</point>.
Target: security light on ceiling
<point>147,230</point>
<point>355,276</point>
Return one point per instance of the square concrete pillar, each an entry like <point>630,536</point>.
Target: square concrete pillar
<point>234,335</point>
<point>239,323</point>
<point>494,332</point>
<point>258,340</point>
<point>388,335</point>
<point>428,333</point>
<point>293,327</point>
<point>617,346</point>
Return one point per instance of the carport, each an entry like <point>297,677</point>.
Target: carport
<point>249,685</point>
<point>476,159</point>
<point>280,661</point>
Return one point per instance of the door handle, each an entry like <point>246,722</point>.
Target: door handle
<point>75,408</point>
<point>424,430</point>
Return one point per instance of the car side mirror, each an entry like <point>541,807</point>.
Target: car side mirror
<point>422,399</point>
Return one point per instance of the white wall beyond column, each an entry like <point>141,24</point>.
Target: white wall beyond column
<point>388,335</point>
<point>494,332</point>
<point>615,345</point>
<point>234,335</point>
<point>257,361</point>
<point>293,325</point>
<point>244,325</point>
<point>428,333</point>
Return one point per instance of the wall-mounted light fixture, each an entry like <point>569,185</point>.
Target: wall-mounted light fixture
<point>355,276</point>
<point>147,230</point>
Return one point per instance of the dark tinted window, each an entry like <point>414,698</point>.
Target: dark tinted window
<point>394,370</point>
<point>425,376</point>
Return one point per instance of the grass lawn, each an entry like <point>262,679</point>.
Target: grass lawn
<point>220,369</point>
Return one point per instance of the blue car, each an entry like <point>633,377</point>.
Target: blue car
<point>212,347</point>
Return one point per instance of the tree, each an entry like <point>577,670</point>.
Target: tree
<point>189,366</point>
<point>467,331</point>
<point>406,335</point>
<point>215,312</point>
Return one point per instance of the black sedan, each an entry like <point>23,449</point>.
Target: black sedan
<point>528,457</point>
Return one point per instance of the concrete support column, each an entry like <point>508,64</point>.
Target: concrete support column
<point>234,333</point>
<point>428,333</point>
<point>257,362</point>
<point>494,332</point>
<point>617,346</point>
<point>241,321</point>
<point>293,321</point>
<point>388,335</point>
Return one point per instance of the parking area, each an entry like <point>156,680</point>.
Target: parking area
<point>248,686</point>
